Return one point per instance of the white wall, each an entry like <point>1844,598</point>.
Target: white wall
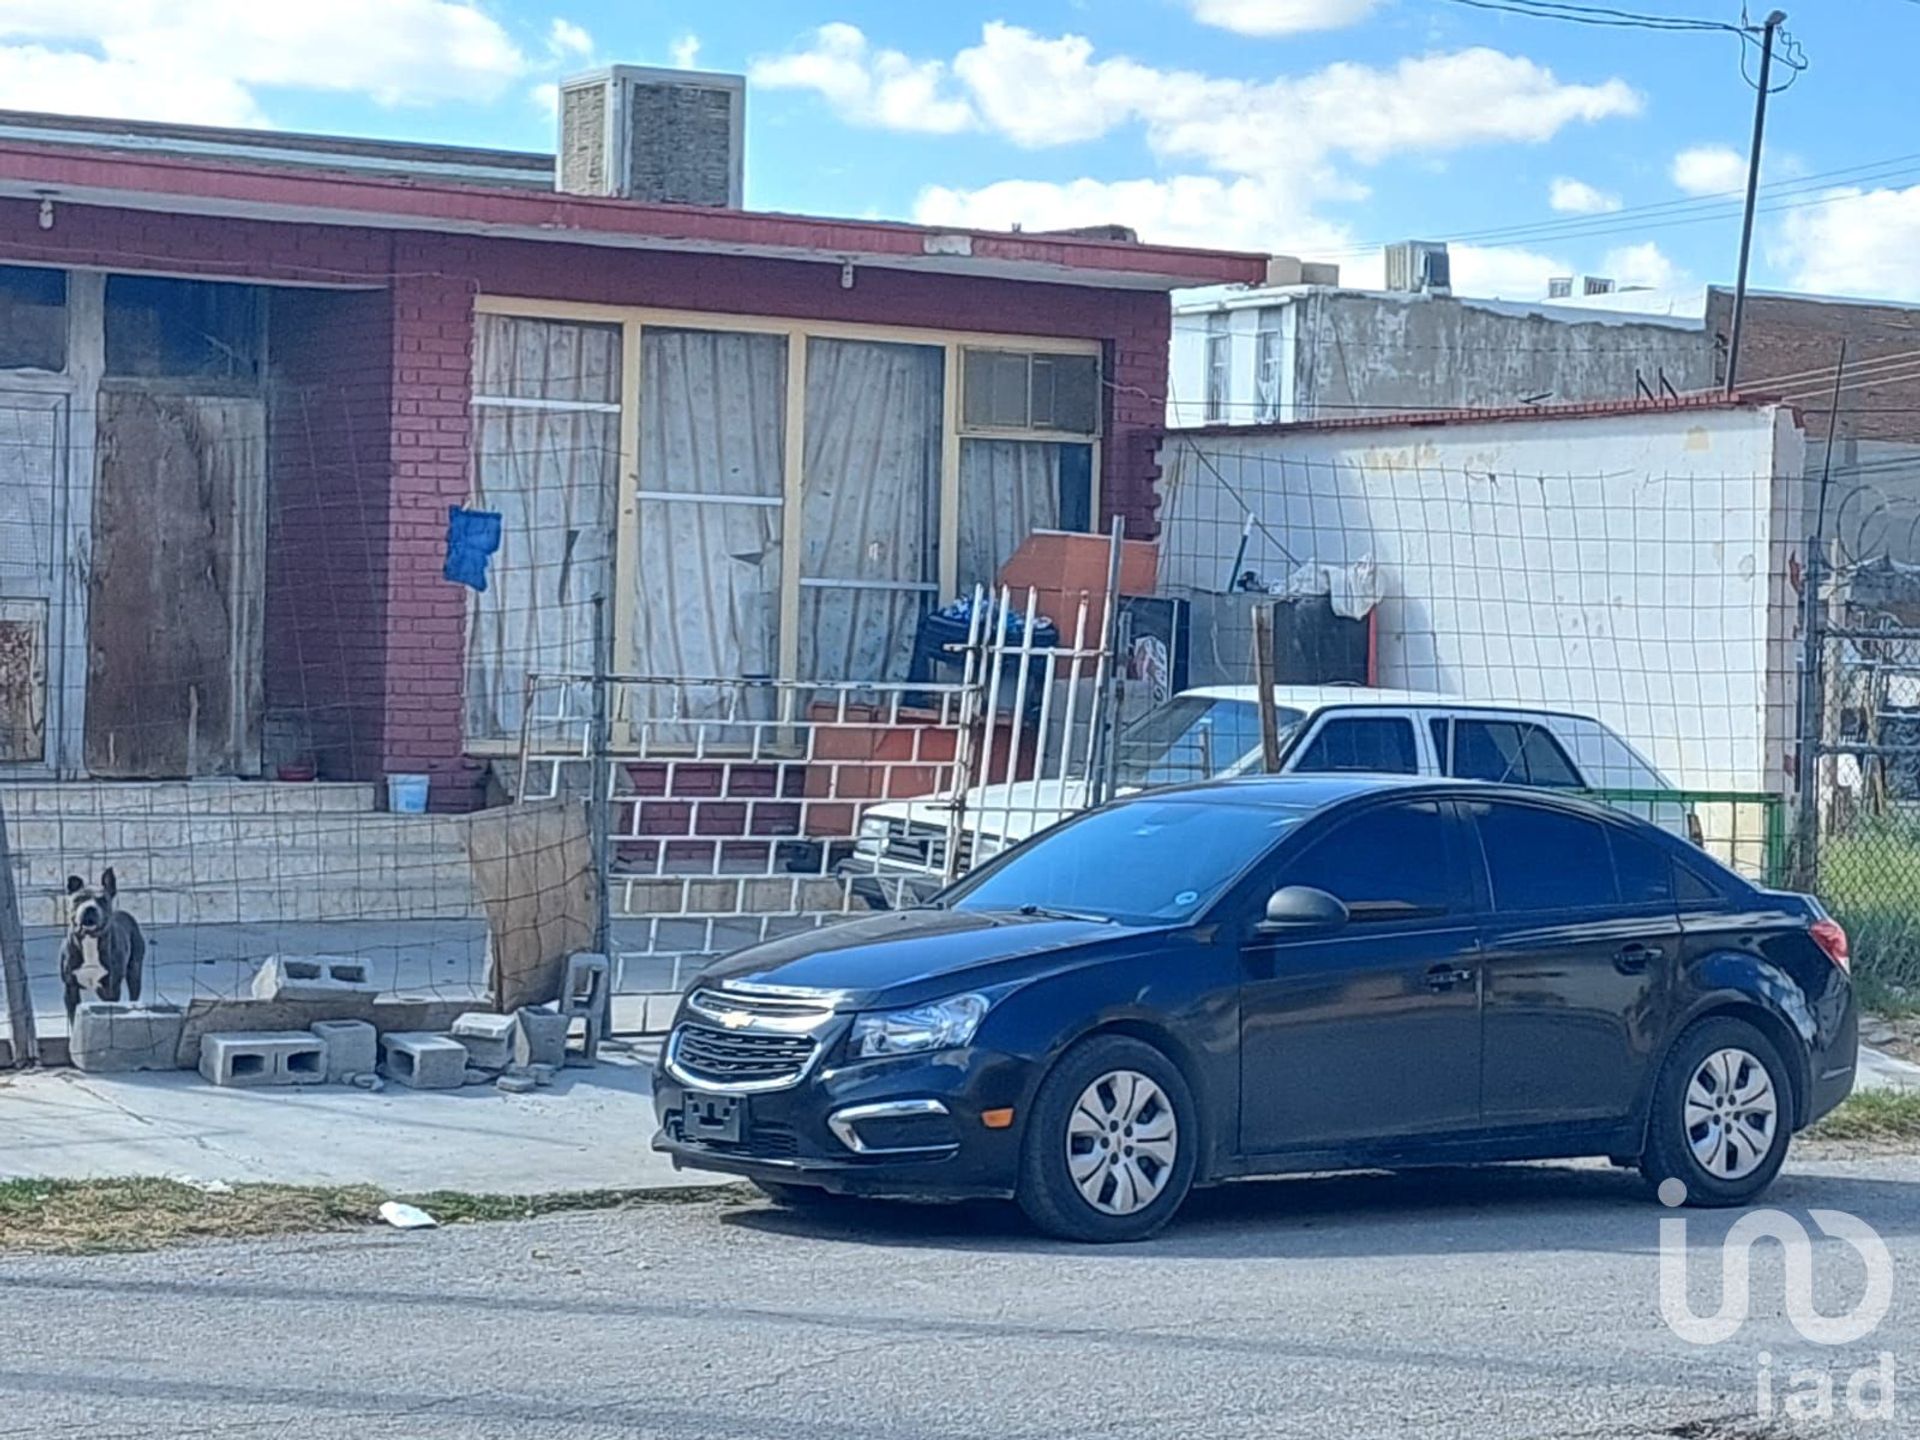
<point>1353,352</point>
<point>1636,567</point>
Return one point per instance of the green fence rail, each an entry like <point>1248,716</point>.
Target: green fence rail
<point>1745,829</point>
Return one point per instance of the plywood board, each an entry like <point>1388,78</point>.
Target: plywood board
<point>175,596</point>
<point>533,869</point>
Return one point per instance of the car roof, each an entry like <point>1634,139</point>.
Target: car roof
<point>1310,698</point>
<point>1318,792</point>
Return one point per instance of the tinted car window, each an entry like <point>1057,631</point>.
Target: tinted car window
<point>1510,751</point>
<point>1643,868</point>
<point>1691,889</point>
<point>1388,863</point>
<point>1192,738</point>
<point>1541,859</point>
<point>1144,862</point>
<point>1375,744</point>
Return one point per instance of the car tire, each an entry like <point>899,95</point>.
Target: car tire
<point>1721,1076</point>
<point>1080,1178</point>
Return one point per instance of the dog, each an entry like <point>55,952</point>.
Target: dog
<point>93,915</point>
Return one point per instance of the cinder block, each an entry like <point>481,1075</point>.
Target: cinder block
<point>488,1038</point>
<point>113,1038</point>
<point>312,977</point>
<point>425,1061</point>
<point>353,1048</point>
<point>586,995</point>
<point>539,1037</point>
<point>276,1057</point>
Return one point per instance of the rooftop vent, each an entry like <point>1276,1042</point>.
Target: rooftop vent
<point>1419,267</point>
<point>669,137</point>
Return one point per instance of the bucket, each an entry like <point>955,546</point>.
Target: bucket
<point>407,794</point>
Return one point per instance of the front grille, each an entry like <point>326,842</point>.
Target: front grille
<point>914,842</point>
<point>734,1057</point>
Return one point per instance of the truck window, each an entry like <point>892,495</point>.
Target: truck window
<point>1371,744</point>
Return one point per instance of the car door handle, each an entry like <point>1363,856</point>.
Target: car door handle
<point>1445,977</point>
<point>1631,959</point>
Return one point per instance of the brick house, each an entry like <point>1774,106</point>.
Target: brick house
<point>244,376</point>
<point>1790,347</point>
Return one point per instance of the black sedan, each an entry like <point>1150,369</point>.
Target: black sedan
<point>1275,975</point>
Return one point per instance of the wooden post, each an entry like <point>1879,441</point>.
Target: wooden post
<point>13,960</point>
<point>1263,683</point>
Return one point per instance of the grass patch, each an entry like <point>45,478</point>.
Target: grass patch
<point>77,1217</point>
<point>1870,880</point>
<point>1873,1115</point>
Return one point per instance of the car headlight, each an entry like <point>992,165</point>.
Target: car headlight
<point>941,1025</point>
<point>871,838</point>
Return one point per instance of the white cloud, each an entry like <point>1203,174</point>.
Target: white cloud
<point>1280,17</point>
<point>1502,272</point>
<point>1644,265</point>
<point>1576,197</point>
<point>1202,210</point>
<point>1247,187</point>
<point>1857,242</point>
<point>686,52</point>
<point>1045,91</point>
<point>568,41</point>
<point>208,61</point>
<point>1709,170</point>
<point>866,86</point>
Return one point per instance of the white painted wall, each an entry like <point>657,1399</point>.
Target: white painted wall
<point>1352,352</point>
<point>1637,567</point>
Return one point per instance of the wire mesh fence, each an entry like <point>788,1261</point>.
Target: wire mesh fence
<point>737,811</point>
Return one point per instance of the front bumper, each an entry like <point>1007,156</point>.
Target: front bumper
<point>808,1133</point>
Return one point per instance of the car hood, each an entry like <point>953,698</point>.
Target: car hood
<point>906,956</point>
<point>1010,811</point>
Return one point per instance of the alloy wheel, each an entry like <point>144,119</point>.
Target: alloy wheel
<point>1122,1138</point>
<point>1732,1114</point>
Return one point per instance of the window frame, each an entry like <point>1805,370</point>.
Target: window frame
<point>1310,734</point>
<point>1463,902</point>
<point>1218,368</point>
<point>1484,883</point>
<point>1444,750</point>
<point>634,320</point>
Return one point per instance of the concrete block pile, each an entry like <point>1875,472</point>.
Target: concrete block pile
<point>319,1023</point>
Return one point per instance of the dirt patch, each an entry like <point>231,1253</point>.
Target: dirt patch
<point>77,1217</point>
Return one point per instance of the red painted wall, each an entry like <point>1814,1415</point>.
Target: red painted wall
<point>362,625</point>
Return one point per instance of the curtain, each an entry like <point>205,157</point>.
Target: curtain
<point>707,590</point>
<point>550,472</point>
<point>871,506</point>
<point>1008,490</point>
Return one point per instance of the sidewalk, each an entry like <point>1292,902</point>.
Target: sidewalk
<point>588,1131</point>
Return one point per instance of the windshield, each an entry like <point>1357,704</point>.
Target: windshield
<point>1192,738</point>
<point>1142,863</point>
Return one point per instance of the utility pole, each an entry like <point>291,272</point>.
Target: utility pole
<point>1773,23</point>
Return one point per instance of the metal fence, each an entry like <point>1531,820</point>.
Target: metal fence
<point>728,812</point>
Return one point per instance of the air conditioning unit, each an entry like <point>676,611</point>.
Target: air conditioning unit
<point>670,137</point>
<point>1419,267</point>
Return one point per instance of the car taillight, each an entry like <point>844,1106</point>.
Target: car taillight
<point>1828,935</point>
<point>1694,832</point>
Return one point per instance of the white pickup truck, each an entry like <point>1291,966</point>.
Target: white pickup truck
<point>1214,733</point>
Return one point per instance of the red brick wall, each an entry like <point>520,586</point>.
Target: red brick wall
<point>390,680</point>
<point>329,407</point>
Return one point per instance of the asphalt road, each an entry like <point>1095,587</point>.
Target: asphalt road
<point>1517,1302</point>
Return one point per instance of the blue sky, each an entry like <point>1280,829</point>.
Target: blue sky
<point>1318,127</point>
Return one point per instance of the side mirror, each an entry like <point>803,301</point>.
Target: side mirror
<point>1302,910</point>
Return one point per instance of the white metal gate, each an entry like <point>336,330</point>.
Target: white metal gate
<point>737,811</point>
